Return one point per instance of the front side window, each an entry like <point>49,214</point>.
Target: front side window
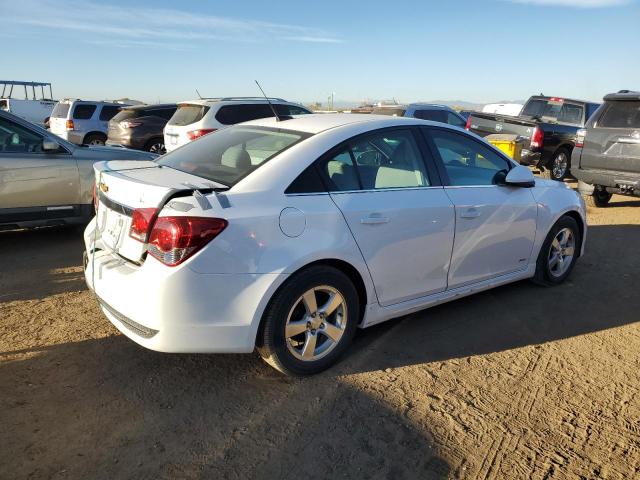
<point>467,161</point>
<point>624,114</point>
<point>290,110</point>
<point>83,111</point>
<point>433,115</point>
<point>17,139</point>
<point>380,160</point>
<point>229,154</point>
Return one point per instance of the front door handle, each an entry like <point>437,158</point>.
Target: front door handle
<point>374,219</point>
<point>471,212</point>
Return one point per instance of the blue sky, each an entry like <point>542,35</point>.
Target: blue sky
<point>474,50</point>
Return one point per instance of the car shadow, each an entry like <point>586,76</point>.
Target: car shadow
<point>600,294</point>
<point>40,263</point>
<point>106,408</point>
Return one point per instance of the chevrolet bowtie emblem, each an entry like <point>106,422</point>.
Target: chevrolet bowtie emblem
<point>103,187</point>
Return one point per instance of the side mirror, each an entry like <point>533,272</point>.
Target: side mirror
<point>520,176</point>
<point>50,146</point>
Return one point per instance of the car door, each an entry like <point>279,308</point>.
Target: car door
<point>34,184</point>
<point>495,224</point>
<point>397,210</point>
<point>613,143</point>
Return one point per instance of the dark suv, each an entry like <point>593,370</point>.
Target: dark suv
<point>606,159</point>
<point>141,126</point>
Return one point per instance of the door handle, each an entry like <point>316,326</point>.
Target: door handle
<point>374,219</point>
<point>471,212</point>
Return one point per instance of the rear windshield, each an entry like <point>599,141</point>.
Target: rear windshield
<point>394,112</point>
<point>61,110</point>
<point>188,114</point>
<point>621,115</point>
<point>126,114</point>
<point>557,110</point>
<point>231,153</point>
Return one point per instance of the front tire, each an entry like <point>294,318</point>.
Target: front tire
<point>310,322</point>
<point>559,253</point>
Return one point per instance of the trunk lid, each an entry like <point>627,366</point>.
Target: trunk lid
<point>123,186</point>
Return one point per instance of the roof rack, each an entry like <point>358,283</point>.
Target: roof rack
<point>15,83</point>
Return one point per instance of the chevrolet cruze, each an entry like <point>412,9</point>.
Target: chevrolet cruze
<point>286,236</point>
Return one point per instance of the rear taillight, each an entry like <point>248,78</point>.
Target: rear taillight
<point>174,239</point>
<point>580,135</point>
<point>69,124</point>
<point>141,221</point>
<point>468,125</point>
<point>201,132</point>
<point>537,139</point>
<point>129,124</point>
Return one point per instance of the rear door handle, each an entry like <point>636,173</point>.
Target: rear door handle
<point>374,219</point>
<point>471,212</point>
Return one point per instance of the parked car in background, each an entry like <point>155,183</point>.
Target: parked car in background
<point>196,118</point>
<point>83,122</point>
<point>141,127</point>
<point>424,111</point>
<point>548,125</point>
<point>512,109</point>
<point>36,109</point>
<point>261,234</point>
<point>606,159</point>
<point>45,180</point>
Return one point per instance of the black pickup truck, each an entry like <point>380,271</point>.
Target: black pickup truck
<point>547,125</point>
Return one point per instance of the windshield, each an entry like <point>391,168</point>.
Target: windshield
<point>232,153</point>
<point>61,110</point>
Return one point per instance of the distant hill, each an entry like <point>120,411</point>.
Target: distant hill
<point>460,104</point>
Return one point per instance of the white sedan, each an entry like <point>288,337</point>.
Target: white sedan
<point>288,235</point>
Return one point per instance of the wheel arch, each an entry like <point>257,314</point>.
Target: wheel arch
<point>581,226</point>
<point>345,267</point>
<point>94,132</point>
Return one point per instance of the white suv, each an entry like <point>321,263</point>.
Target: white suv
<point>196,118</point>
<point>83,122</point>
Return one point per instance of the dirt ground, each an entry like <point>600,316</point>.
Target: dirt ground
<point>518,382</point>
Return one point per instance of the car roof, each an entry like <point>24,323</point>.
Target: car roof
<point>435,106</point>
<point>623,95</point>
<point>319,122</point>
<point>149,106</point>
<point>238,100</point>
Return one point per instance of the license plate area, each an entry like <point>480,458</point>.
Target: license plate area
<point>112,226</point>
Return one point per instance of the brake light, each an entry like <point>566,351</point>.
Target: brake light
<point>468,125</point>
<point>69,124</point>
<point>129,124</point>
<point>141,221</point>
<point>580,136</point>
<point>537,139</point>
<point>174,239</point>
<point>556,100</point>
<point>201,132</point>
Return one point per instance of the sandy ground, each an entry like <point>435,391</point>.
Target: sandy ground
<point>519,382</point>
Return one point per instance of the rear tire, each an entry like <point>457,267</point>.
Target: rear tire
<point>559,253</point>
<point>599,198</point>
<point>558,168</point>
<point>310,322</point>
<point>95,139</point>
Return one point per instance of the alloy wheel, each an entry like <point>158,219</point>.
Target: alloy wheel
<point>158,148</point>
<point>560,164</point>
<point>316,323</point>
<point>561,252</point>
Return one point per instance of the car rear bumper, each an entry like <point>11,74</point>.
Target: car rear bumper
<point>175,309</point>
<point>71,136</point>
<point>529,158</point>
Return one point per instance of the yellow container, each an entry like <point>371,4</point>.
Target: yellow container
<point>509,144</point>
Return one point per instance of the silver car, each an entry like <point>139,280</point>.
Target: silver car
<point>45,180</point>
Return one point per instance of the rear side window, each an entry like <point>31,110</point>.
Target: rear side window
<point>232,114</point>
<point>83,111</point>
<point>621,115</point>
<point>290,109</point>
<point>61,110</point>
<point>384,159</point>
<point>108,112</point>
<point>188,114</point>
